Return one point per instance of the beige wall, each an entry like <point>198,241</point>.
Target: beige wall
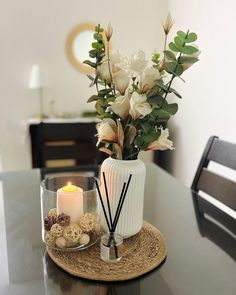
<point>209,100</point>
<point>35,32</point>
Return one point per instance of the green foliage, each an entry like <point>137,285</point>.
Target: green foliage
<point>140,132</point>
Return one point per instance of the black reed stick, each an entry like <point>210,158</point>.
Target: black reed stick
<point>118,206</point>
<point>108,201</point>
<point>121,205</point>
<point>103,207</point>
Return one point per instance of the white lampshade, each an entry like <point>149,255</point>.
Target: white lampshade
<point>36,78</point>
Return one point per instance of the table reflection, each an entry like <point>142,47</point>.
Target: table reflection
<point>216,225</point>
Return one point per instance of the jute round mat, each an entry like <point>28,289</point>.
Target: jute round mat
<point>143,252</point>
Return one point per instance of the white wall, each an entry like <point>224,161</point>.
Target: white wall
<point>35,32</point>
<point>209,100</point>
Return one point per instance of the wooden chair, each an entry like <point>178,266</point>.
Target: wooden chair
<point>219,187</point>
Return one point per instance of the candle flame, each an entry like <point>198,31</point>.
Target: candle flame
<point>69,183</point>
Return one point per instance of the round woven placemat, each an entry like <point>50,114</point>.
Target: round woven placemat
<point>143,252</point>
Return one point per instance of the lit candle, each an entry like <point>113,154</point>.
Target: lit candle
<point>70,201</point>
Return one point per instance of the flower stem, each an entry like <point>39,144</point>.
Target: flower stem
<point>109,68</point>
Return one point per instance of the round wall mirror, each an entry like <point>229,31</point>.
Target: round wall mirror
<point>78,45</point>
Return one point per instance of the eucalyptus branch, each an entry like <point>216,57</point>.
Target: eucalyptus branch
<point>174,73</point>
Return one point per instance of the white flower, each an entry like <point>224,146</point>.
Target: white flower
<point>103,72</point>
<point>136,64</point>
<point>148,77</point>
<point>162,143</point>
<point>107,131</point>
<point>121,106</point>
<point>121,80</point>
<point>139,106</point>
<point>116,60</point>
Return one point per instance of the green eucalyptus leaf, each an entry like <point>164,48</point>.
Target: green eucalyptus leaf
<point>104,92</point>
<point>97,45</point>
<point>155,100</point>
<point>99,29</point>
<point>138,141</point>
<point>171,108</point>
<point>188,49</point>
<point>162,86</point>
<point>188,59</point>
<point>170,55</point>
<point>181,34</point>
<point>90,63</point>
<point>173,47</point>
<point>191,38</point>
<point>173,68</point>
<point>179,41</point>
<point>98,36</point>
<point>90,77</point>
<point>93,98</point>
<point>146,126</point>
<point>175,92</point>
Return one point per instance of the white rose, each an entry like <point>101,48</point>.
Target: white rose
<point>121,80</point>
<point>139,106</point>
<point>121,106</point>
<point>107,131</point>
<point>103,72</point>
<point>148,77</point>
<point>162,143</point>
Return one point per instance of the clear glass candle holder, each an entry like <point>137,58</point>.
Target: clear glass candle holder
<point>70,212</point>
<point>111,247</point>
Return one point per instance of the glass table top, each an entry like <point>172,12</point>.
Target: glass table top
<point>196,263</point>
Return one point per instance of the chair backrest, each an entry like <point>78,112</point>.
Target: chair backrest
<point>219,187</point>
<point>63,144</point>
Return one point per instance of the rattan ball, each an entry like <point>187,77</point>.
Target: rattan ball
<point>72,233</point>
<point>53,212</point>
<point>49,221</point>
<point>84,239</point>
<point>49,238</point>
<point>63,219</point>
<point>57,230</point>
<point>61,242</point>
<point>87,222</point>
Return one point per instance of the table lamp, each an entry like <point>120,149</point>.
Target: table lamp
<point>37,81</point>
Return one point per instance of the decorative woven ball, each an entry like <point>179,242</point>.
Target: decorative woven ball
<point>53,212</point>
<point>63,219</point>
<point>61,242</point>
<point>72,233</point>
<point>49,238</point>
<point>87,222</point>
<point>84,239</point>
<point>57,230</point>
<point>49,221</point>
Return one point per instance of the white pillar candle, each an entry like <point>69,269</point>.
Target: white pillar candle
<point>70,202</point>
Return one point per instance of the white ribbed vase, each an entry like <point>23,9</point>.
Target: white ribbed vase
<point>117,172</point>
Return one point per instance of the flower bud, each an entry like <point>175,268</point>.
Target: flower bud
<point>168,24</point>
<point>109,31</point>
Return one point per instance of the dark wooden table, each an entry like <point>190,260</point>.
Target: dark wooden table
<point>194,265</point>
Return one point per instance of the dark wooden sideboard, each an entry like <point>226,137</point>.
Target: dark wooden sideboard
<point>68,143</point>
<point>59,143</point>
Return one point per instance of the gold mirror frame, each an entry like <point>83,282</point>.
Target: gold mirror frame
<point>69,47</point>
